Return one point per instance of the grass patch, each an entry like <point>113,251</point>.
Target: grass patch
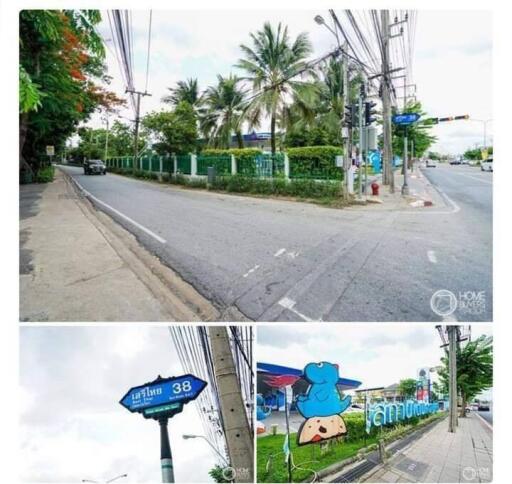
<point>311,456</point>
<point>307,456</point>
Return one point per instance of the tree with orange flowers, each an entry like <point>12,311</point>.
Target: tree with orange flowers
<point>62,78</point>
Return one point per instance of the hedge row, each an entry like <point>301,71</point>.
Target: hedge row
<point>314,162</point>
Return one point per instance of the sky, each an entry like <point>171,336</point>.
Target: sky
<point>377,355</point>
<point>71,424</point>
<point>452,59</point>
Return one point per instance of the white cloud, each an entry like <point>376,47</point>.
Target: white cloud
<point>71,424</point>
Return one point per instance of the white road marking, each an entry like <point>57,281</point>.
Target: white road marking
<point>280,252</point>
<point>122,215</point>
<point>432,256</point>
<point>250,271</point>
<point>289,304</point>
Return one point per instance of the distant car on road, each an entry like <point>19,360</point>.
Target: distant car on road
<point>92,167</point>
<point>455,162</point>
<point>483,407</point>
<point>486,165</point>
<point>431,163</point>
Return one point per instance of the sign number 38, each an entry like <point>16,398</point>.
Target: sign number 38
<point>185,386</point>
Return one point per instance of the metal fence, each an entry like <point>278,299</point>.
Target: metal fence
<point>265,165</point>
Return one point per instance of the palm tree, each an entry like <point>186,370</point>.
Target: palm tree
<point>272,64</point>
<point>223,107</point>
<point>184,91</point>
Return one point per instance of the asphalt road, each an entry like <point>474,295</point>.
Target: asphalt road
<point>284,261</point>
<point>487,416</point>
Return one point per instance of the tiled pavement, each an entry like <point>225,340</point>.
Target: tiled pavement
<point>440,456</point>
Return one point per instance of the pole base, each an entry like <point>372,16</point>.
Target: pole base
<point>405,190</point>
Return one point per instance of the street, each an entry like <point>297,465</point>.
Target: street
<point>285,261</point>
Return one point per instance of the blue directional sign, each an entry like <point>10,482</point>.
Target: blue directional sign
<point>163,392</point>
<point>405,119</point>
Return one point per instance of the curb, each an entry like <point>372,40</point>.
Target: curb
<point>485,422</point>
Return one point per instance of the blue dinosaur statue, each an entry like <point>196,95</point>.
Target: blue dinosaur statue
<point>322,398</point>
<point>262,410</point>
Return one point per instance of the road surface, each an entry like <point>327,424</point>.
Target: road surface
<point>275,260</point>
<point>487,416</point>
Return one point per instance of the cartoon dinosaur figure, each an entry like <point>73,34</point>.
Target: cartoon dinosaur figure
<point>322,398</point>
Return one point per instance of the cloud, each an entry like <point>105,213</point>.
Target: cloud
<point>72,426</point>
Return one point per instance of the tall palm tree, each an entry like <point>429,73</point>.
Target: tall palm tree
<point>184,91</point>
<point>222,112</point>
<point>272,64</point>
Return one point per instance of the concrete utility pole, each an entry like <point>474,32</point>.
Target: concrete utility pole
<point>405,186</point>
<point>452,386</point>
<point>388,174</point>
<point>239,438</point>
<point>361,147</point>
<point>347,150</point>
<point>106,137</point>
<point>137,123</point>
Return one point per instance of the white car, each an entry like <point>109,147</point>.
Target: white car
<point>431,163</point>
<point>486,165</point>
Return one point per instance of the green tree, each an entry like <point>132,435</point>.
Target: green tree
<point>417,133</point>
<point>187,91</point>
<point>61,68</point>
<point>174,131</point>
<point>407,388</point>
<point>270,64</point>
<point>474,369</point>
<point>223,112</point>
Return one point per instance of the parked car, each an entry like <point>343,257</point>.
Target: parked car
<point>455,162</point>
<point>483,407</point>
<point>92,167</point>
<point>431,163</point>
<point>486,165</point>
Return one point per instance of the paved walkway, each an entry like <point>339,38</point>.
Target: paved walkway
<point>441,456</point>
<point>69,268</point>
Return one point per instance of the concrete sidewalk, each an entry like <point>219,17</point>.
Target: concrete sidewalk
<point>421,192</point>
<point>76,264</point>
<point>440,456</point>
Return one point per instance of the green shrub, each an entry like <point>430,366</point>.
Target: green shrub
<point>45,175</point>
<point>315,162</point>
<point>239,153</point>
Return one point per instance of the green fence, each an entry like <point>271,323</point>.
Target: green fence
<point>184,163</point>
<point>264,165</point>
<point>222,164</point>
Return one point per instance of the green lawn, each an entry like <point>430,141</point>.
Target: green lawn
<point>307,457</point>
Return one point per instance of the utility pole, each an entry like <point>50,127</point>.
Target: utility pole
<point>239,438</point>
<point>388,175</point>
<point>165,452</point>
<point>452,367</point>
<point>347,158</point>
<point>361,147</point>
<point>137,122</point>
<point>106,137</point>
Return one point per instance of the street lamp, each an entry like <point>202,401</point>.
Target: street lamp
<point>190,436</point>
<point>106,482</point>
<point>484,122</point>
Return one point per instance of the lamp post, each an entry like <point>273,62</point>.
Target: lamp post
<point>347,162</point>
<point>110,480</point>
<point>190,436</point>
<point>484,122</point>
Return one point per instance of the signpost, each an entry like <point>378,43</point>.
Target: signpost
<point>405,120</point>
<point>160,400</point>
<point>50,151</point>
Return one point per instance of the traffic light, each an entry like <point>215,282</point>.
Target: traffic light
<point>369,112</point>
<point>351,115</point>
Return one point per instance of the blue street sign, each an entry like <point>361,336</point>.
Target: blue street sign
<point>405,119</point>
<point>163,391</point>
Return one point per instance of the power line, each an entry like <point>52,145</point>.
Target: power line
<point>149,48</point>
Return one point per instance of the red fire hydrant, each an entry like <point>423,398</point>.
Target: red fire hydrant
<point>375,188</point>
